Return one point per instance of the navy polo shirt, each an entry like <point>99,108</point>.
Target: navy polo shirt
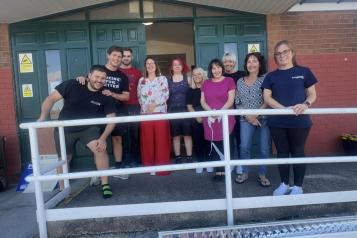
<point>289,88</point>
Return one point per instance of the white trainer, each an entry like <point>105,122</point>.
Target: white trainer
<point>296,190</point>
<point>209,170</point>
<point>283,189</point>
<point>94,181</point>
<point>199,170</point>
<point>122,176</point>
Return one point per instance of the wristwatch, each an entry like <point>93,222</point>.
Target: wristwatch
<point>307,103</point>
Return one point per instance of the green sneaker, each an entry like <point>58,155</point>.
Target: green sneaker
<point>107,191</point>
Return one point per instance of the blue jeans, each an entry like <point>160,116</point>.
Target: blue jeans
<point>247,132</point>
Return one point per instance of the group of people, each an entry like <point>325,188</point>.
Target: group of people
<point>118,88</point>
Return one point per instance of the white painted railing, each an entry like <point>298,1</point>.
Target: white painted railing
<point>46,213</point>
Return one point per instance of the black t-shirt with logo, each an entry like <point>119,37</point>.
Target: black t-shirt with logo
<point>117,82</point>
<point>81,103</point>
<point>235,76</point>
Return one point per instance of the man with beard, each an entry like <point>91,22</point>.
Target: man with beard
<point>84,102</point>
<point>133,107</point>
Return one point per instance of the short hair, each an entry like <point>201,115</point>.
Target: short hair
<point>185,68</point>
<point>114,48</point>
<point>261,60</point>
<point>291,47</point>
<point>157,71</point>
<point>201,71</point>
<point>97,67</point>
<point>217,62</point>
<point>229,56</point>
<point>127,49</point>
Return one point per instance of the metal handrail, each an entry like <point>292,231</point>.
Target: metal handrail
<point>44,214</point>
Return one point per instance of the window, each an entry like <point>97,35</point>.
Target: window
<point>54,77</point>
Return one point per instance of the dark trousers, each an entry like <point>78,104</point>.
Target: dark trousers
<point>290,142</point>
<point>133,137</point>
<point>235,137</point>
<point>199,142</point>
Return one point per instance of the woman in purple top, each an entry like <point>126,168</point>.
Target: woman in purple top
<point>178,87</point>
<point>217,94</point>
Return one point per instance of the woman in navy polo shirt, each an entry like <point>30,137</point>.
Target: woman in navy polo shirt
<point>289,86</point>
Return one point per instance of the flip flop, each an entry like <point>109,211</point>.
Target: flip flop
<point>241,178</point>
<point>264,182</point>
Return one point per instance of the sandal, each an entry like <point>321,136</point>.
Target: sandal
<point>241,178</point>
<point>219,176</point>
<point>263,181</point>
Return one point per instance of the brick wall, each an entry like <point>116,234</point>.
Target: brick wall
<point>8,126</point>
<point>326,42</point>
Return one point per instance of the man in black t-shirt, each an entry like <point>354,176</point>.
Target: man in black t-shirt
<point>84,102</point>
<point>117,87</point>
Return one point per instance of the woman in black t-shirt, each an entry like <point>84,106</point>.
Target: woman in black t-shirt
<point>194,104</point>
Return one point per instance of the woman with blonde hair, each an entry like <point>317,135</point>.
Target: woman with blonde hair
<point>193,101</point>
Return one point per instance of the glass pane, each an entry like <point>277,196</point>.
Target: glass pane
<point>203,12</point>
<point>54,77</point>
<point>158,9</point>
<point>231,48</point>
<point>126,10</point>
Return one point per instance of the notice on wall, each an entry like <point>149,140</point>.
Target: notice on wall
<point>27,91</point>
<point>26,63</point>
<point>252,48</point>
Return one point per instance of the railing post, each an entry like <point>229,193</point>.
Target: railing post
<point>35,158</point>
<point>63,154</point>
<point>228,174</point>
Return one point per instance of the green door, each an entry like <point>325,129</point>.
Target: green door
<point>45,54</point>
<point>216,36</point>
<point>131,35</point>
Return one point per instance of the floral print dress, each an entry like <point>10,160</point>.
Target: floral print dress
<point>153,91</point>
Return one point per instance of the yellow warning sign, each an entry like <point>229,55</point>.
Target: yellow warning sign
<point>252,48</point>
<point>27,91</point>
<point>26,63</point>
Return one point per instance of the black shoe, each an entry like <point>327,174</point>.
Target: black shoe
<point>178,159</point>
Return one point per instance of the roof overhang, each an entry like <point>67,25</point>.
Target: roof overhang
<point>12,11</point>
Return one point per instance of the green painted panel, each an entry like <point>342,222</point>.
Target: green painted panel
<point>25,38</point>
<point>77,62</point>
<point>207,31</point>
<point>132,35</point>
<point>117,35</point>
<point>51,37</point>
<point>253,29</point>
<point>207,52</point>
<point>230,30</point>
<point>101,56</point>
<point>101,35</point>
<point>76,35</point>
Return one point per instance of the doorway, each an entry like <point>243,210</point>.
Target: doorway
<point>168,40</point>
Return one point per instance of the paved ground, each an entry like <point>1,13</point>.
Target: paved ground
<point>17,211</point>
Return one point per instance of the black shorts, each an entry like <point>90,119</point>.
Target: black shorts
<point>180,127</point>
<point>85,136</point>
<point>120,129</point>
